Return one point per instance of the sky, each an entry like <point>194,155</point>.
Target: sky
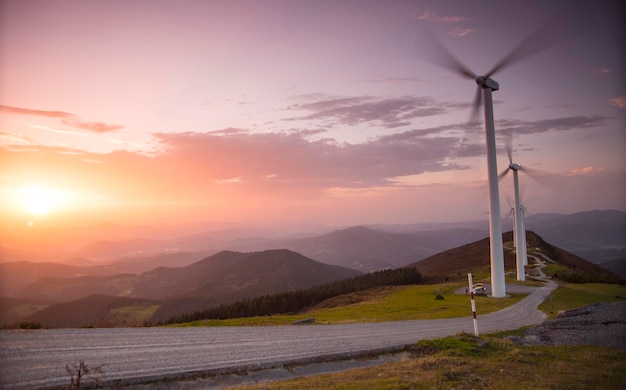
<point>296,114</point>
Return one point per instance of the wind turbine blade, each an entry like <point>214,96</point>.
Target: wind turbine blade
<point>501,176</point>
<point>560,27</point>
<point>429,49</point>
<point>478,99</point>
<point>509,148</point>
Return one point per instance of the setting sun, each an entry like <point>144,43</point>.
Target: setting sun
<point>40,200</point>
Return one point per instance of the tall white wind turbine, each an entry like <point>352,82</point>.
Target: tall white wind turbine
<point>549,34</point>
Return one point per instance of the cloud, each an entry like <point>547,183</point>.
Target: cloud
<point>292,158</point>
<point>619,102</point>
<point>13,137</point>
<point>65,117</point>
<point>433,17</point>
<point>586,171</point>
<point>54,129</point>
<point>556,124</point>
<point>388,112</point>
<point>461,32</point>
<point>96,127</point>
<point>388,79</point>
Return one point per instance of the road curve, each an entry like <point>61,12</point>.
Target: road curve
<point>37,358</point>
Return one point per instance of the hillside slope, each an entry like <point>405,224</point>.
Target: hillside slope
<point>245,276</point>
<point>95,311</point>
<point>457,262</point>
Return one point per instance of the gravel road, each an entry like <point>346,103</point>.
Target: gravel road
<point>37,358</point>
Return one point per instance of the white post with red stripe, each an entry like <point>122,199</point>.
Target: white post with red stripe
<point>471,290</point>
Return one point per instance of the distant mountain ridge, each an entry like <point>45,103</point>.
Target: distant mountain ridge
<point>222,278</point>
<point>228,277</point>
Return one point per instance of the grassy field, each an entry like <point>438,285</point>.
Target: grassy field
<point>383,304</point>
<point>134,313</point>
<point>570,296</point>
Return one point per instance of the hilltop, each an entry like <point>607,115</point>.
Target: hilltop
<point>454,264</point>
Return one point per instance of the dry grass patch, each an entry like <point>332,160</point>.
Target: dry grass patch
<point>466,362</point>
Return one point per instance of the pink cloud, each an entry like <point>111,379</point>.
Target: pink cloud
<point>433,17</point>
<point>619,102</point>
<point>586,171</point>
<point>65,117</point>
<point>461,32</point>
<point>389,112</point>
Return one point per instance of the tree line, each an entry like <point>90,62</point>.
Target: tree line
<point>295,301</point>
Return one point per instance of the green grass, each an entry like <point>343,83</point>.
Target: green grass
<point>550,269</point>
<point>466,362</point>
<point>388,304</point>
<point>133,314</point>
<point>571,296</point>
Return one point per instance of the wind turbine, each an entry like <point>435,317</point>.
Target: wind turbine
<point>518,217</point>
<point>549,34</point>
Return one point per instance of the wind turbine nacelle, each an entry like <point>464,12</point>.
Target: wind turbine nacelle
<point>486,82</point>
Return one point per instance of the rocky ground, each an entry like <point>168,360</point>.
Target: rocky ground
<point>601,324</point>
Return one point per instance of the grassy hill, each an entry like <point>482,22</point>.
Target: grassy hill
<point>454,264</point>
<point>243,276</point>
<point>95,311</point>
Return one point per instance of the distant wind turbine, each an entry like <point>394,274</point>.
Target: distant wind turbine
<point>518,217</point>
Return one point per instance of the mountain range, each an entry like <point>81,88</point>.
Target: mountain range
<point>222,278</point>
<point>227,277</point>
<point>594,235</point>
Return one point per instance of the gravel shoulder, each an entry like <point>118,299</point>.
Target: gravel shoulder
<point>600,324</point>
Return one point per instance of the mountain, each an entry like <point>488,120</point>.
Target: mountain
<point>618,267</point>
<point>106,249</point>
<point>598,236</point>
<point>244,275</point>
<point>366,249</point>
<point>454,264</point>
<point>14,276</point>
<point>224,277</point>
<point>141,264</point>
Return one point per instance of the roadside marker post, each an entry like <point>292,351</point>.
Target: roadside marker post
<point>471,290</point>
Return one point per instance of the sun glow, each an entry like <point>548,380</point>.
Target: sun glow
<point>38,201</point>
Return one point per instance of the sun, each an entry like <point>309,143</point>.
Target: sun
<point>38,201</point>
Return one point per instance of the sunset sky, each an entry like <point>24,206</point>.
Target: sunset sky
<point>300,113</point>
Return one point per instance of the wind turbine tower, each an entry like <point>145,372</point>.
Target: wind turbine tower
<point>520,234</point>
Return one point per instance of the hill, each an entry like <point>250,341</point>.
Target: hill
<point>244,275</point>
<point>13,310</point>
<point>223,277</point>
<point>18,274</point>
<point>95,311</point>
<point>457,262</point>
<point>63,289</point>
